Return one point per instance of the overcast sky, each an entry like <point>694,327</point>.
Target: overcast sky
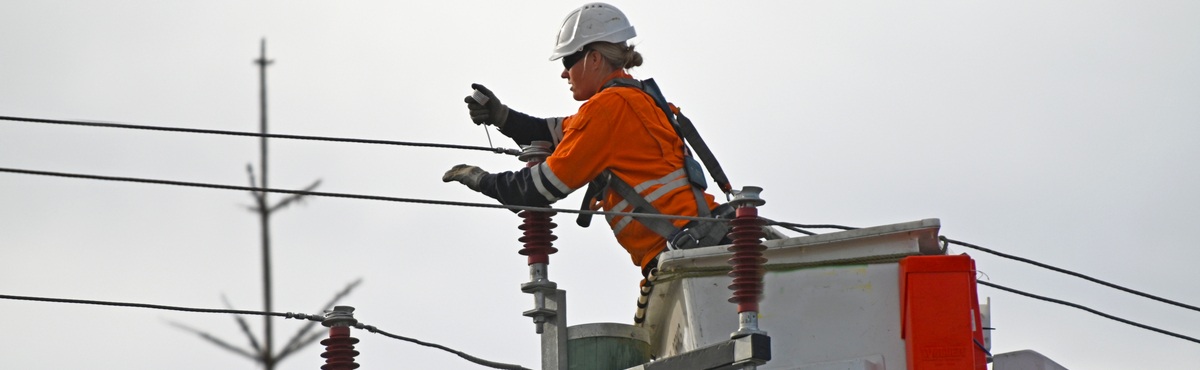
<point>1067,132</point>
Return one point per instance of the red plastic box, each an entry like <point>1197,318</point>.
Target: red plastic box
<point>940,320</point>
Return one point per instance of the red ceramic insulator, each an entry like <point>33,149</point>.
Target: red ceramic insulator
<point>538,237</point>
<point>747,260</point>
<point>339,349</point>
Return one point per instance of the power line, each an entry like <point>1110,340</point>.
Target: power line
<point>1107,316</point>
<point>255,134</point>
<point>790,226</point>
<point>464,356</point>
<point>541,209</point>
<point>288,315</point>
<point>359,196</point>
<point>800,228</point>
<point>816,226</point>
<point>1072,273</point>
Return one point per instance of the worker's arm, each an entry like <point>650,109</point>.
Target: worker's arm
<point>520,188</point>
<point>523,128</point>
<point>585,152</point>
<point>517,188</point>
<point>578,159</point>
<point>485,109</point>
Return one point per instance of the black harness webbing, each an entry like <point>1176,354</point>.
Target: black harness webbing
<point>695,234</point>
<point>684,128</point>
<point>692,235</point>
<point>640,205</point>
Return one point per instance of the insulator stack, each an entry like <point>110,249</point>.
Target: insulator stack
<point>339,349</point>
<point>747,261</point>
<point>538,237</point>
<point>747,235</point>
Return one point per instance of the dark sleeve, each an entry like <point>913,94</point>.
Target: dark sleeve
<point>523,128</point>
<point>513,188</point>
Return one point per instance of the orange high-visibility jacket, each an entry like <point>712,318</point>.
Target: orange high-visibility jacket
<point>620,129</point>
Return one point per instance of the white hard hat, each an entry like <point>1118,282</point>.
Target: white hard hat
<point>591,23</point>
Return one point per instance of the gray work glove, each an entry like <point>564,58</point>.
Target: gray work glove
<point>466,174</point>
<point>493,113</point>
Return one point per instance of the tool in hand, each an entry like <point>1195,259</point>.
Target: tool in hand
<point>482,100</point>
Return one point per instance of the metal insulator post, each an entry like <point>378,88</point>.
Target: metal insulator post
<point>538,239</point>
<point>747,234</point>
<point>339,347</point>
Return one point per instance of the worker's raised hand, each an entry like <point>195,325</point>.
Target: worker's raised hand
<point>486,109</point>
<point>466,174</point>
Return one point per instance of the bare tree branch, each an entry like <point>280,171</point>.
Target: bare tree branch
<point>310,339</point>
<point>298,198</point>
<point>245,326</point>
<point>258,196</point>
<point>218,342</point>
<point>250,171</point>
<point>299,340</point>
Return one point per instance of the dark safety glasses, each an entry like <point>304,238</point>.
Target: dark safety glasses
<point>570,60</point>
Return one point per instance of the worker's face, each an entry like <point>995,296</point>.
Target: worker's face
<point>584,72</point>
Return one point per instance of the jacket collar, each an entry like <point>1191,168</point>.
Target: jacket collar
<point>619,73</point>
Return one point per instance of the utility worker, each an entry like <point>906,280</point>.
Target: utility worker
<point>618,134</point>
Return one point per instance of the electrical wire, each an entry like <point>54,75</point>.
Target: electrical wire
<point>540,209</point>
<point>255,134</point>
<point>1085,308</point>
<point>1072,273</point>
<point>817,226</point>
<point>287,315</point>
<point>789,226</point>
<point>476,360</point>
<point>364,197</point>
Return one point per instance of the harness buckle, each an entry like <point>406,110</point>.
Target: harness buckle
<point>683,238</point>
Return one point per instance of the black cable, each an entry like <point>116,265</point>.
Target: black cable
<point>1111,317</point>
<point>255,134</point>
<point>818,226</point>
<point>286,315</point>
<point>789,226</point>
<point>1072,273</point>
<point>357,196</point>
<point>476,360</point>
<point>982,348</point>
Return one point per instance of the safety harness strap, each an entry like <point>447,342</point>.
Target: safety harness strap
<point>701,205</point>
<point>660,226</point>
<point>694,234</point>
<point>702,151</point>
<point>668,182</point>
<point>591,196</point>
<point>683,127</point>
